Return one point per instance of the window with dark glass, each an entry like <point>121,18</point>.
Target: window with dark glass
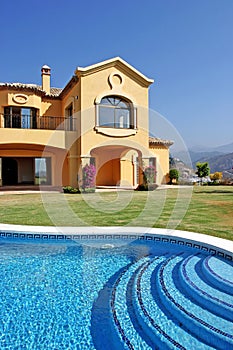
<point>20,117</point>
<point>70,117</point>
<point>115,112</point>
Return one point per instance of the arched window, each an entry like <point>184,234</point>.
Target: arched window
<point>115,112</point>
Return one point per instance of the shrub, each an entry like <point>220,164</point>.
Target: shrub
<point>203,170</point>
<point>70,189</point>
<point>146,187</point>
<point>216,177</point>
<point>173,175</point>
<point>88,190</point>
<point>213,183</point>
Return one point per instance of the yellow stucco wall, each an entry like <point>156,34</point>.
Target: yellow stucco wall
<point>96,86</point>
<point>52,138</point>
<point>45,106</point>
<point>162,162</point>
<point>115,150</point>
<point>51,107</point>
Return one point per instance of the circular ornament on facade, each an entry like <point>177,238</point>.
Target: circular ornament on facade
<point>20,98</point>
<point>115,80</point>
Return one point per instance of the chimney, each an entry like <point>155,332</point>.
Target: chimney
<point>45,74</point>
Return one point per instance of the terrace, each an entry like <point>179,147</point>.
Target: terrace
<point>32,121</point>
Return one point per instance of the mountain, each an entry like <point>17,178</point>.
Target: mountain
<point>197,156</point>
<point>228,148</point>
<point>223,163</point>
<point>199,148</point>
<point>219,158</point>
<point>225,148</point>
<point>201,153</point>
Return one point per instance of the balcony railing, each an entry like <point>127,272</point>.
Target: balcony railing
<point>21,121</point>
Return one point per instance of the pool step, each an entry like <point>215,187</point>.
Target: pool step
<point>110,311</point>
<point>156,322</point>
<point>120,305</point>
<point>218,273</point>
<point>199,321</point>
<point>101,318</point>
<point>204,294</point>
<point>156,303</point>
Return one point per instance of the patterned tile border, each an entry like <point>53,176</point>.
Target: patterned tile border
<point>212,245</point>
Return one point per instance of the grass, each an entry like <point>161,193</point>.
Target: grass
<point>206,210</point>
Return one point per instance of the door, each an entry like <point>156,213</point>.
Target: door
<point>9,171</point>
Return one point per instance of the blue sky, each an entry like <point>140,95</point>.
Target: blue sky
<point>186,46</point>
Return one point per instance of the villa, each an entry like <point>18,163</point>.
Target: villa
<point>100,117</point>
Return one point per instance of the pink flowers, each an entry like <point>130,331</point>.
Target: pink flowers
<point>89,174</point>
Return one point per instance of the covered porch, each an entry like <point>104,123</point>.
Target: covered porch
<point>120,166</point>
<point>116,166</point>
<point>21,168</point>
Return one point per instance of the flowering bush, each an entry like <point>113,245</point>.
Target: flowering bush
<point>88,181</point>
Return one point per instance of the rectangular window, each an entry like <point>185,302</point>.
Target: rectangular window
<point>20,118</point>
<point>43,171</point>
<point>114,117</point>
<point>106,116</point>
<point>25,118</point>
<point>152,161</point>
<point>69,118</point>
<point>122,118</point>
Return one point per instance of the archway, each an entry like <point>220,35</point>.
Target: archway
<point>116,166</point>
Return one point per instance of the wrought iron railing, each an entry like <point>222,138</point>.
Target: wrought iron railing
<point>21,121</point>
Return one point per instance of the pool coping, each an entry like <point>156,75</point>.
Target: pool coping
<point>214,245</point>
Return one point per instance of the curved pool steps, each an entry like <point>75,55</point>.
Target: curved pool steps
<point>124,298</point>
<point>218,273</point>
<point>199,321</point>
<point>152,303</point>
<point>152,327</point>
<point>110,311</point>
<point>216,301</point>
<point>157,323</point>
<point>133,311</point>
<point>119,307</point>
<point>101,318</point>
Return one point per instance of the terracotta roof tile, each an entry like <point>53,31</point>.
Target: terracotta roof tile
<point>157,141</point>
<point>55,92</point>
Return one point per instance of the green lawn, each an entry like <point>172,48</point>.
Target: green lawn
<point>209,211</point>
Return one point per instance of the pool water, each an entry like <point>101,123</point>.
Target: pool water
<point>138,295</point>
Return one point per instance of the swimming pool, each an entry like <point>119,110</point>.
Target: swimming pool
<point>109,291</point>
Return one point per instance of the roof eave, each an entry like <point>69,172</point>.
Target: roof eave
<point>160,142</point>
<point>36,89</point>
<point>117,62</point>
<point>69,86</point>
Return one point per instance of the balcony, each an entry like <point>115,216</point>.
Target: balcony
<point>25,121</point>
